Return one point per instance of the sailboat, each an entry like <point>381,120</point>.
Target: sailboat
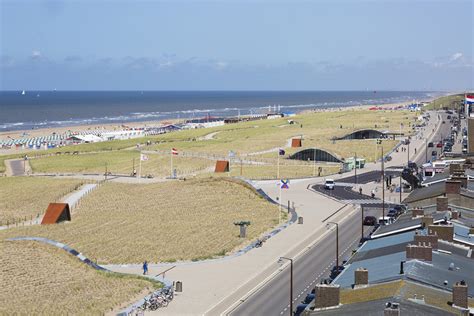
<point>23,92</point>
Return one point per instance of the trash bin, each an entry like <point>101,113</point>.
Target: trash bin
<point>300,220</point>
<point>178,286</point>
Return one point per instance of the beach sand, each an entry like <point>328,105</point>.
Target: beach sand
<point>110,127</point>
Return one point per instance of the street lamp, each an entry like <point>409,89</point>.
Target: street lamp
<point>337,242</point>
<point>280,261</point>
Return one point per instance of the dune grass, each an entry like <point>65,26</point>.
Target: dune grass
<point>39,279</point>
<point>317,131</point>
<point>454,101</point>
<point>185,220</point>
<point>27,197</point>
<point>119,162</point>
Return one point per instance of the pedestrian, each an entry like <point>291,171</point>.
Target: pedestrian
<point>373,193</point>
<point>145,268</point>
<point>415,151</point>
<point>360,190</point>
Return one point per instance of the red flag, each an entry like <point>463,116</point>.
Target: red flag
<point>174,151</point>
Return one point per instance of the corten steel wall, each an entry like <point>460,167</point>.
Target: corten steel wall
<point>222,166</point>
<point>364,134</point>
<point>56,212</point>
<point>296,142</point>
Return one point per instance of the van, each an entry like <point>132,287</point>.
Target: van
<point>329,184</point>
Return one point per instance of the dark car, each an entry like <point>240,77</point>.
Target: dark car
<point>412,165</point>
<point>400,208</point>
<point>430,145</point>
<point>308,298</point>
<point>335,271</point>
<point>392,213</point>
<point>300,309</point>
<point>434,153</point>
<point>370,220</point>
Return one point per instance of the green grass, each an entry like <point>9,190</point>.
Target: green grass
<point>454,102</point>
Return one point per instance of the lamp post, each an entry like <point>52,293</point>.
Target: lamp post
<point>337,242</point>
<point>362,222</point>
<point>426,150</point>
<point>291,281</point>
<point>400,188</point>
<point>383,188</point>
<point>355,168</point>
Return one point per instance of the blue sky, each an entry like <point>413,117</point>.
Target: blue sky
<point>236,45</point>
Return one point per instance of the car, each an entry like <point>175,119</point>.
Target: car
<point>392,213</point>
<point>449,117</point>
<point>439,145</point>
<point>443,122</point>
<point>412,165</point>
<point>300,309</point>
<point>370,220</point>
<point>434,153</point>
<point>329,184</point>
<point>430,144</point>
<point>308,298</point>
<point>400,208</point>
<point>335,271</point>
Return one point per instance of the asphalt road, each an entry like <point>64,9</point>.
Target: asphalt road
<point>308,270</point>
<point>368,177</point>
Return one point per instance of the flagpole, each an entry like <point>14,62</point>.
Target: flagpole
<point>140,168</point>
<point>279,213</point>
<point>278,165</point>
<point>171,174</point>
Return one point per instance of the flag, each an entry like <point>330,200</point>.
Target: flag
<point>469,99</point>
<point>281,152</point>
<point>284,184</point>
<point>174,151</point>
<point>143,157</point>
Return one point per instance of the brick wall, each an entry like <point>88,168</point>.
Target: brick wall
<point>441,203</point>
<point>460,294</point>
<point>327,295</point>
<point>453,187</point>
<point>427,239</point>
<point>470,135</point>
<point>420,252</point>
<point>361,276</point>
<point>426,220</point>
<point>444,232</point>
<point>417,212</point>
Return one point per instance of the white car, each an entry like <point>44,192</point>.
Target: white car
<point>329,184</point>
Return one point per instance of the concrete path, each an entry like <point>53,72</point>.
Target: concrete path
<point>207,283</point>
<point>17,167</point>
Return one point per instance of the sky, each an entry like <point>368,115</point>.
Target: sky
<point>236,45</point>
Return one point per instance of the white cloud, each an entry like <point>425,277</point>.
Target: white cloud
<point>35,54</point>
<point>221,65</point>
<point>455,56</point>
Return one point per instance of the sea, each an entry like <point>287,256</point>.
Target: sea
<point>39,109</point>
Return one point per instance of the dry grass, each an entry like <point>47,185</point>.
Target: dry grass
<point>40,279</point>
<point>371,293</point>
<point>432,297</point>
<point>262,172</point>
<point>125,223</point>
<point>26,197</point>
<point>120,162</point>
<point>318,130</point>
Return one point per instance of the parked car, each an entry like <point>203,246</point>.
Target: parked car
<point>300,309</point>
<point>308,298</point>
<point>439,145</point>
<point>370,220</point>
<point>430,144</point>
<point>335,271</point>
<point>434,153</point>
<point>329,184</point>
<point>392,213</point>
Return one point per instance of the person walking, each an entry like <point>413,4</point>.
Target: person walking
<point>373,193</point>
<point>360,190</point>
<point>145,267</point>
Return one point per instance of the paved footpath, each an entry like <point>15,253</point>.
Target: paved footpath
<point>208,283</point>
<point>210,287</point>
